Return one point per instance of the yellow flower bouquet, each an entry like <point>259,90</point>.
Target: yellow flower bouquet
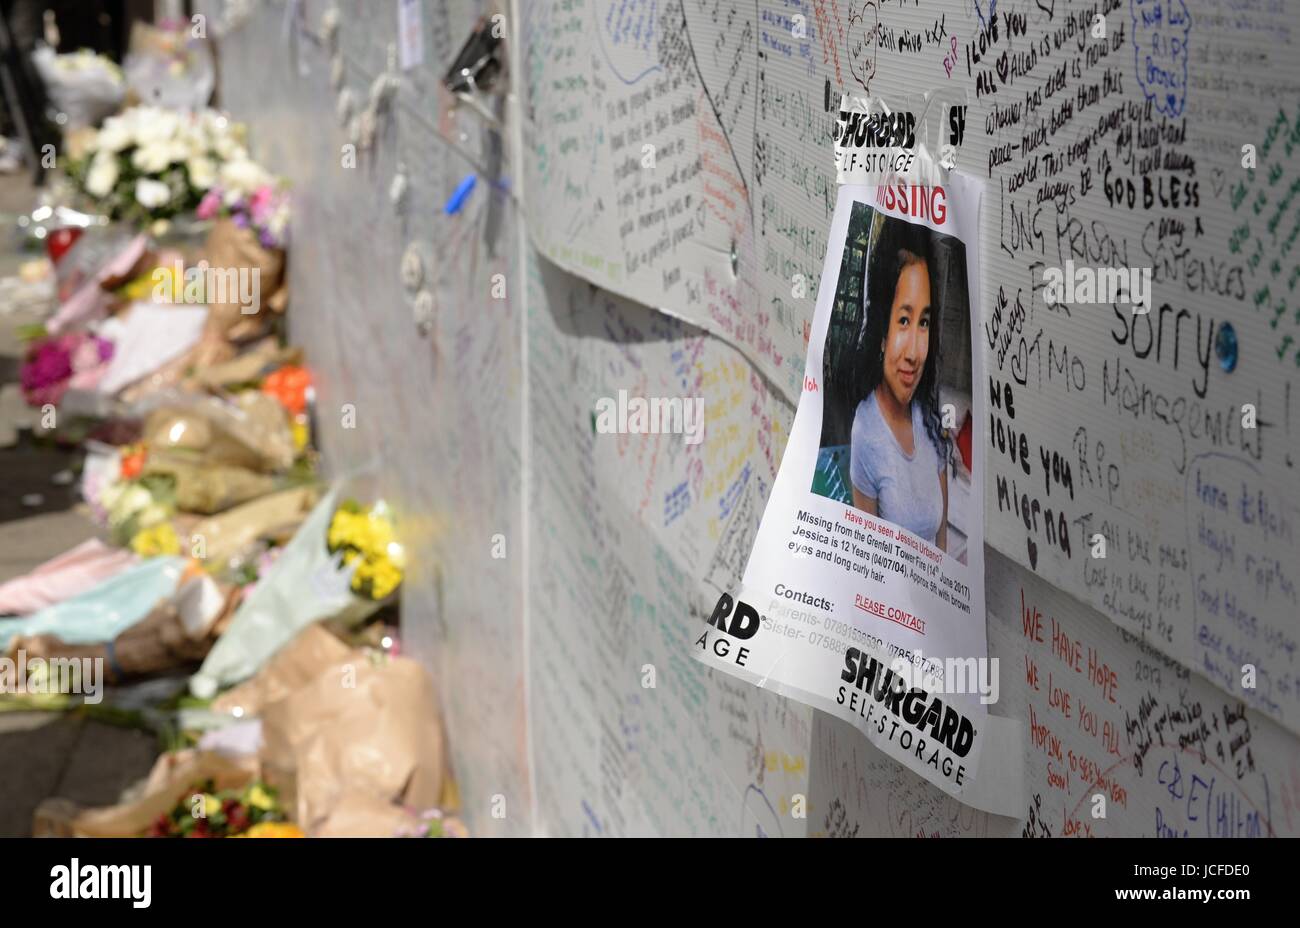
<point>342,564</point>
<point>367,540</point>
<point>156,541</point>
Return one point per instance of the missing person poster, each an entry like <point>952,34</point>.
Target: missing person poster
<point>864,592</point>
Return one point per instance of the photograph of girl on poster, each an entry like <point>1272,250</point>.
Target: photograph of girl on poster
<point>896,428</point>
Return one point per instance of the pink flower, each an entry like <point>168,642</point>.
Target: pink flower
<point>91,353</point>
<point>261,204</point>
<point>210,205</point>
<point>47,363</point>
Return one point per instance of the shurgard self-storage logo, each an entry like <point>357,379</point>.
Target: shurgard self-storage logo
<point>734,621</point>
<point>861,129</point>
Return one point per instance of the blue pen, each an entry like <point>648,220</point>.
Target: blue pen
<point>463,190</point>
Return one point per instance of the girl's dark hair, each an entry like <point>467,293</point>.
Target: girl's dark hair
<point>897,245</point>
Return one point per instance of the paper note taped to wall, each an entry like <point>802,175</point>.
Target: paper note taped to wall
<point>864,592</point>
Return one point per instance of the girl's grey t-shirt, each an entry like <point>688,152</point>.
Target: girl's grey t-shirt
<point>906,488</point>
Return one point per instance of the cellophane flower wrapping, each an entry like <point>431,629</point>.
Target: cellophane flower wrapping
<point>318,575</point>
<point>84,86</point>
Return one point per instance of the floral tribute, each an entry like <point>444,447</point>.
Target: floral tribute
<point>206,813</point>
<point>51,364</point>
<point>147,164</point>
<point>367,540</point>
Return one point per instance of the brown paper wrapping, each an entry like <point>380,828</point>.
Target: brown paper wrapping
<point>250,430</point>
<point>328,743</point>
<point>365,817</point>
<point>161,641</point>
<point>245,368</point>
<point>349,761</point>
<point>225,535</point>
<point>229,246</point>
<point>289,669</point>
<point>208,488</point>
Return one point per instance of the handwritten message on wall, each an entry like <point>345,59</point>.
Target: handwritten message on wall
<point>674,136</point>
<point>1115,151</point>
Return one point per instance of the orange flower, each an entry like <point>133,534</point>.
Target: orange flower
<point>273,830</point>
<point>132,461</point>
<point>289,385</point>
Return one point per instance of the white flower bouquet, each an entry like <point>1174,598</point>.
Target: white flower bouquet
<point>147,163</point>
